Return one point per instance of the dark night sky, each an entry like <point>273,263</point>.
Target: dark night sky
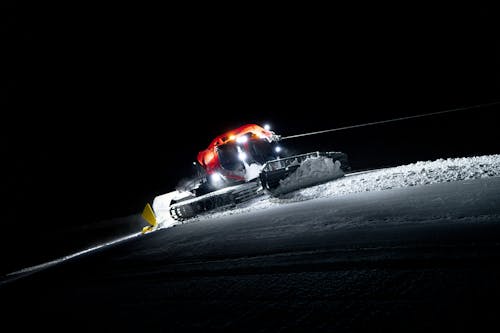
<point>91,93</point>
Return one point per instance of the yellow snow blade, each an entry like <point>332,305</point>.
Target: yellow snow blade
<point>150,217</point>
<point>147,229</point>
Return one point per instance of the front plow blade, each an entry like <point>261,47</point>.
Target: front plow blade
<point>292,173</point>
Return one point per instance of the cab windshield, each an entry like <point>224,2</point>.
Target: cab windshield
<point>256,151</point>
<point>228,157</point>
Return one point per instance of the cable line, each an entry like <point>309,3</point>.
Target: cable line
<point>390,120</point>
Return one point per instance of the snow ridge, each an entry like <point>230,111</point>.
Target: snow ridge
<point>416,174</point>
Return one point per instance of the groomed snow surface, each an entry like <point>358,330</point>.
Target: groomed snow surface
<point>415,174</point>
<point>413,248</point>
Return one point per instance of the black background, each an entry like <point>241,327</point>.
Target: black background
<point>105,107</point>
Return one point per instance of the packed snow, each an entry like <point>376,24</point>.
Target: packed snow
<point>415,174</point>
<point>252,171</point>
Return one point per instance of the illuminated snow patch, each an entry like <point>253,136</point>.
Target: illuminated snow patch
<point>161,207</point>
<point>252,171</point>
<point>415,174</point>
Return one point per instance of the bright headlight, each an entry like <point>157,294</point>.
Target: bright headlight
<point>242,155</point>
<point>242,139</point>
<point>215,178</point>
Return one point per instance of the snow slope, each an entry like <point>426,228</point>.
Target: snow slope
<point>377,254</point>
<point>317,224</point>
<point>415,174</point>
